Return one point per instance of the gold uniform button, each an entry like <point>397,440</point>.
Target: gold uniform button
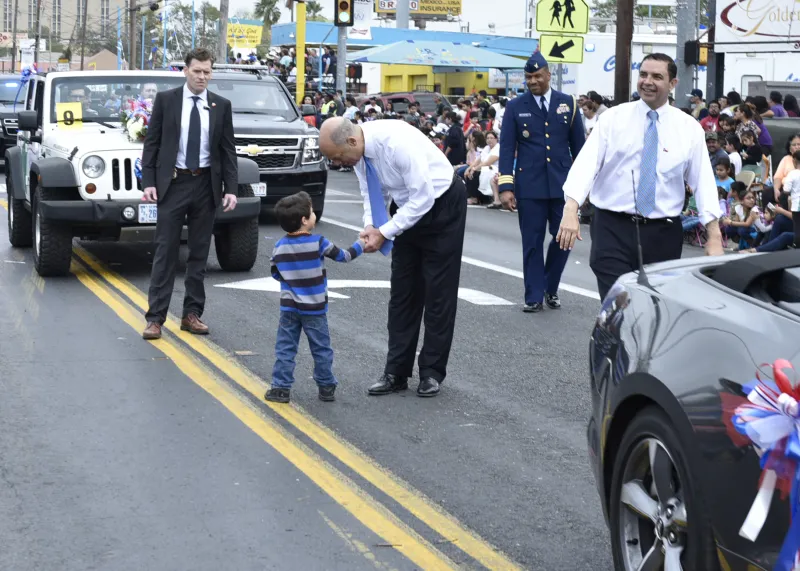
<point>545,123</point>
<point>547,135</point>
<point>548,159</point>
<point>548,147</point>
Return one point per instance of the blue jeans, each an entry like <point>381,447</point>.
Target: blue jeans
<point>319,341</point>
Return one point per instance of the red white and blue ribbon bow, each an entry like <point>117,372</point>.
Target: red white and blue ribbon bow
<point>771,419</point>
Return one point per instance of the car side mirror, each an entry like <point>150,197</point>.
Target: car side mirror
<point>27,121</point>
<point>308,110</point>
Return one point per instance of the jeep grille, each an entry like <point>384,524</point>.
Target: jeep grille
<point>122,175</point>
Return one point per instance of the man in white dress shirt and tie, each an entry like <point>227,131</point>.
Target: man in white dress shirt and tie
<point>425,235</point>
<point>637,162</point>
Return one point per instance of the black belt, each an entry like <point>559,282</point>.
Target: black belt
<point>638,217</point>
<point>195,172</point>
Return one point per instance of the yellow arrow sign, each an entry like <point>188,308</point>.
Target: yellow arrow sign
<point>562,16</point>
<point>561,49</point>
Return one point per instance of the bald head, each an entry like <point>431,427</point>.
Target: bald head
<point>341,141</point>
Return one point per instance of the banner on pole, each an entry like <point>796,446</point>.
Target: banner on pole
<point>362,18</point>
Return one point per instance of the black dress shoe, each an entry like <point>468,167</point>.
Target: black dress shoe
<point>532,308</point>
<point>388,384</point>
<point>428,387</point>
<point>552,301</point>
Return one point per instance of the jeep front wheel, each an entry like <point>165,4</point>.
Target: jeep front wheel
<point>20,232</point>
<point>52,242</point>
<point>236,243</point>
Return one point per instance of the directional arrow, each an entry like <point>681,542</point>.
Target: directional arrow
<point>558,51</point>
<point>272,285</point>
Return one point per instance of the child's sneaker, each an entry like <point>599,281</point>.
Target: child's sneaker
<point>326,393</point>
<point>278,395</point>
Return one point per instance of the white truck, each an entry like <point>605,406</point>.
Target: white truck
<point>76,173</point>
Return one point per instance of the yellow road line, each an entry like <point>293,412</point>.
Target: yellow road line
<point>365,508</point>
<point>3,203</point>
<point>412,500</point>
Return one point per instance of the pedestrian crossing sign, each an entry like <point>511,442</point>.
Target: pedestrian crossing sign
<point>562,16</point>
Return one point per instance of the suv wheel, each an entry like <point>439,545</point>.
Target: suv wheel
<point>236,244</point>
<point>654,501</point>
<point>52,241</point>
<point>20,232</point>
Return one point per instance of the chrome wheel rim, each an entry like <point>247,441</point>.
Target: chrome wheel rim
<point>652,523</point>
<point>10,214</point>
<point>37,235</point>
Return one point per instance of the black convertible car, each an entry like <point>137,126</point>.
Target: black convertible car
<point>671,354</point>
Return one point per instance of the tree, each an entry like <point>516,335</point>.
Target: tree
<point>268,12</point>
<point>314,12</point>
<point>608,11</point>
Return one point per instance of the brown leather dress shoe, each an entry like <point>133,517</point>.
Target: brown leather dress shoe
<point>192,324</point>
<point>152,331</point>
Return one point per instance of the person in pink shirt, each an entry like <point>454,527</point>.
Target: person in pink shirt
<point>711,121</point>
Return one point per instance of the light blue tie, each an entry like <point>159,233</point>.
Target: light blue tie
<point>646,194</point>
<point>376,204</point>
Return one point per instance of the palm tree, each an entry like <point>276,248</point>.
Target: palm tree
<point>268,11</point>
<point>314,11</point>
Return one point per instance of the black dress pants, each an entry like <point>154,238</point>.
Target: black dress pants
<point>614,245</point>
<point>189,197</point>
<point>426,267</point>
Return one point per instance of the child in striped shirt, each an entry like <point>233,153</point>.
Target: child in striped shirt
<point>298,263</point>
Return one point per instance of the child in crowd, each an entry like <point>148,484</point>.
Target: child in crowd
<point>298,263</point>
<point>752,153</point>
<point>722,172</point>
<point>741,224</point>
<point>733,146</point>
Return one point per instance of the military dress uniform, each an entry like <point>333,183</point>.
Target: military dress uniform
<point>544,144</point>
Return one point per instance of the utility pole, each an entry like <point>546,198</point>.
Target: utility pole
<point>83,32</point>
<point>222,54</point>
<point>712,88</point>
<point>401,15</point>
<point>38,31</point>
<point>622,58</point>
<point>14,39</point>
<point>341,61</point>
<point>132,11</point>
<point>686,17</point>
<point>300,51</point>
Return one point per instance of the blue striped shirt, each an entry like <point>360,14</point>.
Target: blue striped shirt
<point>298,263</point>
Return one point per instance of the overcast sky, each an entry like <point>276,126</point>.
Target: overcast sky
<point>506,15</point>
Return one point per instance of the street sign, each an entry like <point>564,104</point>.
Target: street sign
<point>562,17</point>
<point>561,49</point>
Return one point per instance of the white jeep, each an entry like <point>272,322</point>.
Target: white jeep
<point>74,171</point>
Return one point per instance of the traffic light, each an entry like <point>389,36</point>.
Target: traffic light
<point>344,13</point>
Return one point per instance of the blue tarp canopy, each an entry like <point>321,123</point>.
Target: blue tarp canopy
<point>438,54</point>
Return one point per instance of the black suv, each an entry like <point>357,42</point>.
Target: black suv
<point>9,92</point>
<point>270,130</point>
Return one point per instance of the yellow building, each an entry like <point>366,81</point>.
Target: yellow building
<point>401,78</point>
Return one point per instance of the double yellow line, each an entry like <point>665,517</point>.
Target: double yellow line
<point>110,288</point>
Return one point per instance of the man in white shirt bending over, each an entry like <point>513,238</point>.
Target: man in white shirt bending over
<point>637,162</point>
<point>425,235</point>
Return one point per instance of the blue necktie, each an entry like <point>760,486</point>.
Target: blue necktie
<point>376,204</point>
<point>646,194</point>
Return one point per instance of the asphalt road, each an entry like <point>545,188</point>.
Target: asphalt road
<point>117,454</point>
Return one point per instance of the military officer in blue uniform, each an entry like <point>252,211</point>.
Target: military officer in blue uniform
<point>543,130</point>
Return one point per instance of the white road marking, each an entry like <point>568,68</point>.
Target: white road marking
<point>343,201</point>
<point>3,188</point>
<point>271,285</point>
<point>486,265</point>
<point>334,192</point>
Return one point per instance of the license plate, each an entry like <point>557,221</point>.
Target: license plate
<point>260,189</point>
<point>148,213</point>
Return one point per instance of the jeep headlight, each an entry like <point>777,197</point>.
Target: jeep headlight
<point>311,152</point>
<point>94,166</point>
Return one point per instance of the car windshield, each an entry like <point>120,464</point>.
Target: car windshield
<point>259,97</point>
<point>99,98</point>
<point>9,91</point>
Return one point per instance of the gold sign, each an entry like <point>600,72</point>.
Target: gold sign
<point>244,33</point>
<point>427,7</point>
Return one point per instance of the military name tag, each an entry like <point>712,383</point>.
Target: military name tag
<point>526,134</point>
<point>524,115</point>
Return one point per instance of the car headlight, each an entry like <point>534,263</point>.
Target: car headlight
<point>311,152</point>
<point>94,166</point>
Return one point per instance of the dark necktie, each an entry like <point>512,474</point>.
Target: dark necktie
<point>541,104</point>
<point>193,142</point>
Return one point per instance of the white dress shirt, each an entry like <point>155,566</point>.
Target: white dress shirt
<point>547,97</point>
<point>614,150</point>
<point>202,106</point>
<point>412,170</point>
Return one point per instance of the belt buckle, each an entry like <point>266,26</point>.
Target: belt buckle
<point>195,172</point>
